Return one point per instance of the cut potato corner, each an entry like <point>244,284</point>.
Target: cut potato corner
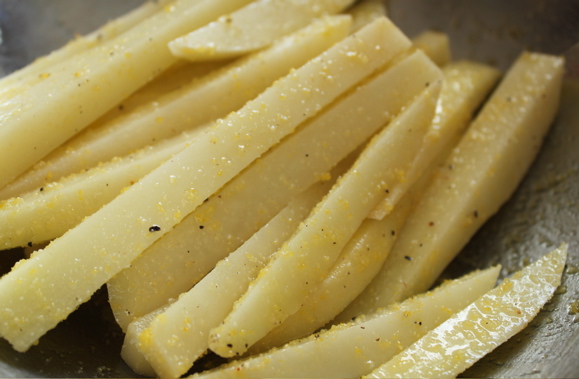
<point>49,211</point>
<point>43,290</point>
<point>177,337</point>
<point>469,335</point>
<point>464,88</point>
<point>366,11</point>
<point>38,120</point>
<point>130,350</point>
<point>40,68</point>
<point>302,263</point>
<point>200,101</point>
<point>251,28</point>
<point>477,178</point>
<point>356,348</point>
<point>436,45</point>
<point>358,263</point>
<point>182,257</point>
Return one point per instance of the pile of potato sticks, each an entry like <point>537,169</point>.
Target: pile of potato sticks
<point>243,173</point>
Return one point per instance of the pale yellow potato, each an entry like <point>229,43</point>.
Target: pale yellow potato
<point>179,335</point>
<point>477,178</point>
<point>358,263</point>
<point>130,351</point>
<point>76,93</point>
<point>436,45</point>
<point>366,11</point>
<point>251,28</point>
<point>38,70</point>
<point>491,320</point>
<point>466,85</point>
<point>305,259</point>
<point>354,349</point>
<point>197,102</point>
<point>43,290</point>
<point>176,262</point>
<point>49,211</point>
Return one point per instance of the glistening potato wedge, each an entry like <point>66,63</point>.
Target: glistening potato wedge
<point>355,349</point>
<point>251,28</point>
<point>469,335</point>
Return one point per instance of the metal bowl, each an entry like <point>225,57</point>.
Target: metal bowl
<point>543,212</point>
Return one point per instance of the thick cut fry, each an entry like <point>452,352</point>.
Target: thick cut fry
<point>40,68</point>
<point>251,28</point>
<point>302,263</point>
<point>354,349</point>
<point>130,351</point>
<point>43,290</point>
<point>51,210</point>
<point>181,258</point>
<point>177,337</point>
<point>198,102</point>
<point>365,12</point>
<point>466,85</point>
<point>75,94</point>
<point>479,176</point>
<point>436,45</point>
<point>358,263</point>
<point>469,335</point>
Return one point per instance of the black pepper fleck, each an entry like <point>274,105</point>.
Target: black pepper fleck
<point>154,228</point>
<point>408,257</point>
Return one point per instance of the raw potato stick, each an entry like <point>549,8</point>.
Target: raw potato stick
<point>354,349</point>
<point>130,351</point>
<point>177,337</point>
<point>196,103</point>
<point>43,290</point>
<point>37,121</point>
<point>51,210</point>
<point>466,85</point>
<point>478,177</point>
<point>177,261</point>
<point>469,335</point>
<point>304,260</point>
<point>39,69</point>
<point>251,28</point>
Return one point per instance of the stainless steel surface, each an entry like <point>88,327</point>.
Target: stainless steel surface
<point>543,212</point>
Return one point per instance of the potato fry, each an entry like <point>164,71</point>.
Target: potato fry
<point>43,290</point>
<point>74,95</point>
<point>469,335</point>
<point>251,28</point>
<point>176,262</point>
<point>302,263</point>
<point>466,85</point>
<point>490,159</point>
<point>51,210</point>
<point>199,102</point>
<point>436,45</point>
<point>354,349</point>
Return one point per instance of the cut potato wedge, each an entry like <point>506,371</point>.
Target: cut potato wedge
<point>43,290</point>
<point>469,335</point>
<point>177,261</point>
<point>479,176</point>
<point>304,260</point>
<point>196,103</point>
<point>436,45</point>
<point>251,28</point>
<point>354,349</point>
